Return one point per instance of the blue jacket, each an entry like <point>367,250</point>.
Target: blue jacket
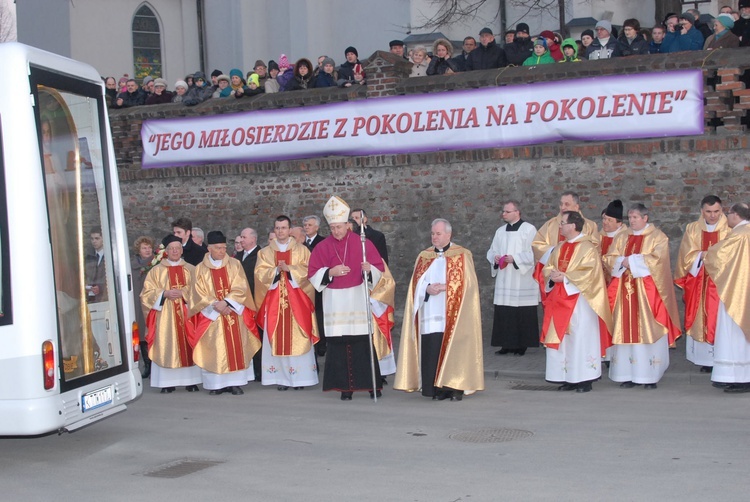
<point>677,42</point>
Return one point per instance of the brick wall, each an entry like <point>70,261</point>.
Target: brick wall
<point>403,193</point>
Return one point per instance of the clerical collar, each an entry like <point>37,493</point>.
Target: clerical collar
<point>513,227</point>
<point>576,237</point>
<point>172,263</point>
<point>711,228</point>
<point>613,233</point>
<point>639,232</point>
<point>437,250</point>
<point>215,263</point>
<point>743,222</point>
<point>282,247</point>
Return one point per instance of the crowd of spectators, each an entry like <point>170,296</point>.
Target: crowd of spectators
<point>677,33</point>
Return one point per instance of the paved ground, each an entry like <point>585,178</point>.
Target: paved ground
<point>685,440</point>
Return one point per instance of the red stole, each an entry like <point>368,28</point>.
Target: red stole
<point>606,242</point>
<point>559,306</point>
<point>538,273</point>
<point>629,292</point>
<point>282,306</point>
<point>701,286</point>
<point>231,322</point>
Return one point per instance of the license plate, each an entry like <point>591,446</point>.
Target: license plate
<point>96,398</point>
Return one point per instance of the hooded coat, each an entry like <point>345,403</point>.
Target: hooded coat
<point>572,43</point>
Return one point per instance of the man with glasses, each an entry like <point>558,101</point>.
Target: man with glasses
<point>699,290</point>
<point>225,336</point>
<point>644,307</point>
<point>604,46</point>
<point>516,325</point>
<point>577,319</point>
<point>728,265</point>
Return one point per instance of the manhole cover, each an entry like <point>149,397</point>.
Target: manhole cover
<point>525,386</point>
<point>179,468</point>
<point>490,435</point>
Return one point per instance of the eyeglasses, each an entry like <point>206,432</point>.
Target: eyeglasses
<point>730,212</point>
<point>566,223</point>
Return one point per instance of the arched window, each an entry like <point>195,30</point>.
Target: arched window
<point>146,44</point>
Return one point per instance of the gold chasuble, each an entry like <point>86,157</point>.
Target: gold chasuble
<point>644,309</point>
<point>384,292</point>
<point>228,343</point>
<point>548,236</point>
<point>699,292</point>
<point>460,365</point>
<point>286,313</point>
<point>580,261</point>
<point>728,265</point>
<point>167,331</point>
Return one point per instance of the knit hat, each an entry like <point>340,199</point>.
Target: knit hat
<point>614,209</point>
<point>147,80</point>
<point>160,81</point>
<point>235,72</point>
<point>744,4</point>
<point>547,34</point>
<point>605,24</point>
<point>216,236</point>
<point>253,79</point>
<point>199,75</point>
<point>259,63</point>
<point>223,77</point>
<point>726,20</point>
<point>284,63</point>
<point>541,41</point>
<point>688,17</point>
<point>216,73</point>
<point>180,83</point>
<point>351,49</point>
<point>328,61</point>
<point>522,27</point>
<point>588,32</point>
<point>485,31</point>
<point>272,65</point>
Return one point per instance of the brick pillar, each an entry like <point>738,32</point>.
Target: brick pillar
<point>384,70</point>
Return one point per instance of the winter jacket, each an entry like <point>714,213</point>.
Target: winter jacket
<point>326,80</point>
<point>635,48</point>
<point>346,73</point>
<point>596,51</point>
<point>158,99</point>
<point>136,98</point>
<point>572,43</point>
<point>724,40</point>
<point>519,51</point>
<point>438,66</point>
<point>690,41</point>
<point>485,58</point>
<point>534,60</point>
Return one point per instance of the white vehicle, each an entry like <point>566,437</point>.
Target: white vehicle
<point>68,343</point>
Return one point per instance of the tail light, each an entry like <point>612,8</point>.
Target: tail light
<point>136,343</point>
<point>48,364</point>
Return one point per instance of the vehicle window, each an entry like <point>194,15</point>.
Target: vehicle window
<point>72,160</point>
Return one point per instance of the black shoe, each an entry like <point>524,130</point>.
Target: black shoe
<point>236,391</point>
<point>568,386</point>
<point>442,395</point>
<point>606,364</point>
<point>192,388</point>
<point>216,392</point>
<point>720,385</point>
<point>299,388</point>
<point>520,352</point>
<point>502,352</point>
<point>146,369</point>
<point>628,385</point>
<point>583,387</point>
<point>282,387</point>
<point>738,388</point>
<point>383,380</point>
<point>649,386</point>
<point>167,390</point>
<point>320,352</point>
<point>373,394</point>
<point>346,396</point>
<point>457,395</point>
<point>706,369</point>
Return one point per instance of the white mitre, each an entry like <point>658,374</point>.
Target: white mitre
<point>336,210</point>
